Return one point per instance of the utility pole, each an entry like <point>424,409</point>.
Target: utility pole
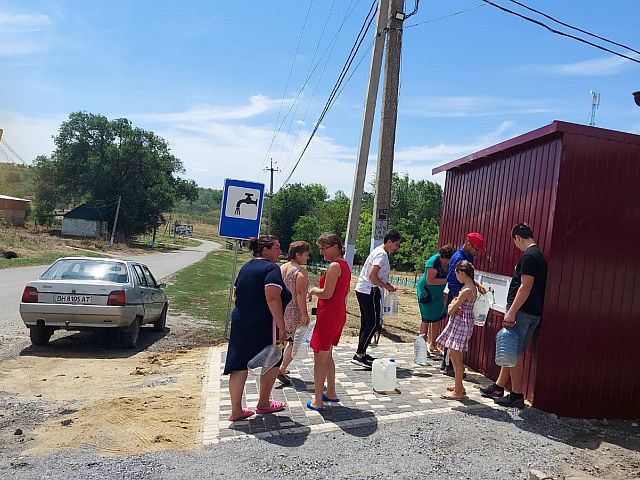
<point>271,170</point>
<point>115,222</point>
<point>384,171</point>
<point>367,126</point>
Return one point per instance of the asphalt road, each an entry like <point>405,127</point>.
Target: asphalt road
<point>13,280</point>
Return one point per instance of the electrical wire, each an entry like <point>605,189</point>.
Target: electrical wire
<point>284,95</point>
<point>333,95</point>
<point>574,28</point>
<point>328,49</point>
<point>313,58</point>
<point>13,152</point>
<point>453,14</point>
<point>557,32</point>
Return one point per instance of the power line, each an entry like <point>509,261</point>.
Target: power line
<point>572,27</point>
<point>557,32</point>
<point>13,152</point>
<point>295,56</point>
<point>453,14</point>
<point>333,95</point>
<point>328,49</point>
<point>313,58</point>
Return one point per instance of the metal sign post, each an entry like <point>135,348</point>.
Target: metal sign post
<point>240,220</point>
<point>236,246</point>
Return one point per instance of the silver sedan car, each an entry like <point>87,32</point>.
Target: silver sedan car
<point>82,293</point>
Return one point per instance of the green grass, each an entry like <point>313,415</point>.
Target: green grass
<point>202,289</point>
<point>44,258</point>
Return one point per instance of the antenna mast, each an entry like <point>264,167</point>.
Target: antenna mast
<point>595,103</point>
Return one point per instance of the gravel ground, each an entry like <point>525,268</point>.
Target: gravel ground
<point>490,444</point>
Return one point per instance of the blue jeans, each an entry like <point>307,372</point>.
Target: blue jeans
<point>525,325</point>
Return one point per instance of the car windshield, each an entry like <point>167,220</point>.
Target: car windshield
<point>83,269</point>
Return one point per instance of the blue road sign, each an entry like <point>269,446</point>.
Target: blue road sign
<point>241,209</point>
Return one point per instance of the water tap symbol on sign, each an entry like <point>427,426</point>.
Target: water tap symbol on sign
<point>248,200</point>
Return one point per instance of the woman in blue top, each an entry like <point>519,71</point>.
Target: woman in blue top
<point>261,297</point>
<point>430,290</point>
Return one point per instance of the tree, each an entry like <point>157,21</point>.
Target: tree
<point>292,202</point>
<point>97,160</point>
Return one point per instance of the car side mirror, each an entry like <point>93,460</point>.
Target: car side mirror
<point>162,285</point>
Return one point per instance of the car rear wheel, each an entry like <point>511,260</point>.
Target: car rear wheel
<point>40,334</point>
<point>129,336</point>
<point>160,324</point>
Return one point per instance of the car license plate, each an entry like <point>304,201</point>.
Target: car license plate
<point>72,298</point>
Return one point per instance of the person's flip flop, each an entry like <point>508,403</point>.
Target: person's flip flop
<point>274,406</point>
<point>332,400</point>
<point>452,396</point>
<point>311,406</point>
<point>246,413</point>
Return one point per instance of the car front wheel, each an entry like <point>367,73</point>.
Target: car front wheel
<point>160,324</point>
<point>129,336</point>
<point>40,335</point>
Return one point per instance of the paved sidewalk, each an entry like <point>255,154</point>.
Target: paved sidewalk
<point>418,393</point>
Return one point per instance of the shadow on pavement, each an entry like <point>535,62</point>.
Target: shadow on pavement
<point>578,433</point>
<point>340,414</point>
<point>92,345</point>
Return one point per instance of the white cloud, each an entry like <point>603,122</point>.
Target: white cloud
<point>257,105</point>
<point>593,67</point>
<point>473,106</point>
<point>17,33</point>
<point>23,22</point>
<point>30,136</point>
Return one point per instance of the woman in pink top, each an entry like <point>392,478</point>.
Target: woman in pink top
<point>296,279</point>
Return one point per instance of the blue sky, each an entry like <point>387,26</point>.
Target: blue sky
<point>212,81</point>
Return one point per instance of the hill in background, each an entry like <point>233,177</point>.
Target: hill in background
<point>17,180</point>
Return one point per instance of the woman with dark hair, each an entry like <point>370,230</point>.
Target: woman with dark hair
<point>430,291</point>
<point>457,333</point>
<point>330,319</point>
<point>296,279</point>
<point>256,322</point>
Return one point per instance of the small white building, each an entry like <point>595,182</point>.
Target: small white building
<point>13,210</point>
<point>86,221</point>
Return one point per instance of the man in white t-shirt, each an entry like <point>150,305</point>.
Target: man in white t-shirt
<point>373,276</point>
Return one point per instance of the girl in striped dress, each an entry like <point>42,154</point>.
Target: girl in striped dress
<point>457,333</point>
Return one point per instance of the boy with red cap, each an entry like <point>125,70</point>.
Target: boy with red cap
<point>473,245</point>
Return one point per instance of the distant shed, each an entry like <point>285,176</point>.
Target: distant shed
<point>578,188</point>
<point>13,210</point>
<point>86,221</point>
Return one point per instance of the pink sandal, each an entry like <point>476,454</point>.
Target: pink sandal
<point>274,406</point>
<point>246,413</point>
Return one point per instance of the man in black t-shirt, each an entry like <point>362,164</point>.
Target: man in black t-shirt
<point>524,308</point>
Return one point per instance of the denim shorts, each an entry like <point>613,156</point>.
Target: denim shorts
<point>525,325</point>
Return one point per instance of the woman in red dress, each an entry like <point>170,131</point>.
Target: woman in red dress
<point>330,319</point>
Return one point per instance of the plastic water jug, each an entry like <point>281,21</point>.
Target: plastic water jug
<point>266,358</point>
<point>390,306</point>
<point>420,351</point>
<point>302,340</point>
<point>481,308</point>
<point>383,375</point>
<point>506,348</point>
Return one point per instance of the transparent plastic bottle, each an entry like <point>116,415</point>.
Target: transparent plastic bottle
<point>306,341</point>
<point>506,348</point>
<point>420,351</point>
<point>481,308</point>
<point>390,306</point>
<point>302,339</point>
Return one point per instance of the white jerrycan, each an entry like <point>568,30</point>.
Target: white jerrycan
<point>383,375</point>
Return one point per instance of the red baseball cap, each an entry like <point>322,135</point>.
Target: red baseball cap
<point>477,240</point>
